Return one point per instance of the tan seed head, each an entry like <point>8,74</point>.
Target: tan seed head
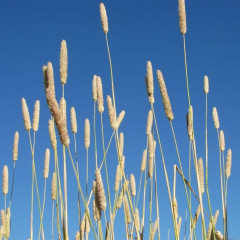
<point>215,118</point>
<point>206,85</point>
<point>15,146</point>
<point>119,119</point>
<point>36,115</point>
<point>46,164</point>
<point>63,62</point>
<point>104,19</point>
<point>99,95</point>
<point>87,134</point>
<point>137,220</point>
<point>201,174</point>
<point>149,122</point>
<point>117,178</point>
<point>5,180</point>
<point>182,16</point>
<point>52,134</point>
<point>111,113</point>
<point>73,120</point>
<point>94,88</point>
<point>121,144</point>
<point>54,187</point>
<point>99,192</point>
<point>228,163</point>
<point>222,140</point>
<point>63,107</point>
<point>144,160</point>
<point>149,82</point>
<point>127,210</point>
<point>218,235</point>
<point>175,207</point>
<point>26,117</point>
<point>190,123</point>
<point>133,185</point>
<point>49,78</point>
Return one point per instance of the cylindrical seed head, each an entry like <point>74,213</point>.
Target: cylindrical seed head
<point>215,118</point>
<point>137,220</point>
<point>144,160</point>
<point>127,210</point>
<point>49,80</point>
<point>99,95</point>
<point>149,122</point>
<point>182,16</point>
<point>46,164</point>
<point>15,146</point>
<point>149,82</point>
<point>5,180</point>
<point>54,187</point>
<point>117,178</point>
<point>104,19</point>
<point>150,155</point>
<point>206,85</point>
<point>111,113</point>
<point>96,211</point>
<point>222,141</point>
<point>94,88</point>
<point>119,119</point>
<point>99,192</point>
<point>228,163</point>
<point>52,134</point>
<point>133,185</point>
<point>218,235</point>
<point>36,115</point>
<point>63,62</point>
<point>87,134</point>
<point>201,174</point>
<point>7,224</point>
<point>73,120</point>
<point>63,107</point>
<point>196,216</point>
<point>26,117</point>
<point>190,123</point>
<point>121,144</point>
<point>165,97</point>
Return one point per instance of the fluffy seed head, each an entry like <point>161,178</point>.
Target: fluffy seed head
<point>99,191</point>
<point>111,113</point>
<point>121,144</point>
<point>36,115</point>
<point>8,218</point>
<point>87,134</point>
<point>218,235</point>
<point>117,178</point>
<point>46,164</point>
<point>206,85</point>
<point>133,185</point>
<point>15,146</point>
<point>215,118</point>
<point>52,134</point>
<point>190,123</point>
<point>5,180</point>
<point>165,98</point>
<point>182,16</point>
<point>137,220</point>
<point>127,210</point>
<point>99,95</point>
<point>94,88</point>
<point>144,160</point>
<point>96,211</point>
<point>122,165</point>
<point>119,200</point>
<point>63,107</point>
<point>49,80</point>
<point>26,117</point>
<point>73,120</point>
<point>63,62</point>
<point>222,140</point>
<point>149,82</point>
<point>228,163</point>
<point>104,19</point>
<point>54,187</point>
<point>149,122</point>
<point>201,174</point>
<point>119,119</point>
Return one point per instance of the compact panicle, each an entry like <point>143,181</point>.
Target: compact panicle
<point>49,77</point>
<point>215,118</point>
<point>228,163</point>
<point>46,164</point>
<point>133,185</point>
<point>26,117</point>
<point>36,115</point>
<point>73,120</point>
<point>149,82</point>
<point>99,95</point>
<point>54,187</point>
<point>87,134</point>
<point>63,107</point>
<point>15,146</point>
<point>121,144</point>
<point>151,155</point>
<point>190,123</point>
<point>222,140</point>
<point>111,113</point>
<point>94,88</point>
<point>104,18</point>
<point>165,97</point>
<point>144,160</point>
<point>206,85</point>
<point>201,174</point>
<point>63,62</point>
<point>99,191</point>
<point>149,122</point>
<point>182,16</point>
<point>52,134</point>
<point>127,209</point>
<point>5,180</point>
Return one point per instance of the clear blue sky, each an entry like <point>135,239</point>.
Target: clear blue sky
<point>139,31</point>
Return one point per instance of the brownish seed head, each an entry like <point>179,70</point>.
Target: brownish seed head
<point>182,16</point>
<point>63,107</point>
<point>49,84</point>
<point>96,211</point>
<point>73,120</point>
<point>63,62</point>
<point>46,164</point>
<point>36,115</point>
<point>5,180</point>
<point>26,117</point>
<point>165,97</point>
<point>15,146</point>
<point>104,19</point>
<point>99,191</point>
<point>52,134</point>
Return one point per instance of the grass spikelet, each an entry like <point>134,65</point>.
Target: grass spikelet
<point>119,200</point>
<point>99,192</point>
<point>36,115</point>
<point>63,107</point>
<point>120,118</point>
<point>46,164</point>
<point>215,118</point>
<point>96,211</point>
<point>218,235</point>
<point>121,144</point>
<point>133,185</point>
<point>228,163</point>
<point>222,140</point>
<point>58,118</point>
<point>127,210</point>
<point>175,207</point>
<point>15,146</point>
<point>149,82</point>
<point>5,180</point>
<point>150,155</point>
<point>104,19</point>
<point>182,16</point>
<point>111,112</point>
<point>149,122</point>
<point>196,216</point>
<point>99,95</point>
<point>87,134</point>
<point>206,85</point>
<point>49,80</point>
<point>122,165</point>
<point>212,225</point>
<point>165,98</point>
<point>137,220</point>
<point>54,187</point>
<point>73,120</point>
<point>8,221</point>
<point>63,62</point>
<point>179,224</point>
<point>94,88</point>
<point>26,117</point>
<point>117,178</point>
<point>52,134</point>
<point>190,123</point>
<point>144,160</point>
<point>201,174</point>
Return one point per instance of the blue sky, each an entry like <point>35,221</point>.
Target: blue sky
<point>138,31</point>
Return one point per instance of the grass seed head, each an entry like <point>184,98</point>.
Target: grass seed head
<point>54,187</point>
<point>104,18</point>
<point>149,82</point>
<point>222,140</point>
<point>73,120</point>
<point>133,185</point>
<point>144,160</point>
<point>87,134</point>
<point>127,210</point>
<point>5,180</point>
<point>52,134</point>
<point>201,174</point>
<point>190,123</point>
<point>149,122</point>
<point>99,95</point>
<point>94,88</point>
<point>228,163</point>
<point>15,146</point>
<point>111,113</point>
<point>46,164</point>
<point>119,119</point>
<point>182,16</point>
<point>63,62</point>
<point>99,192</point>
<point>36,115</point>
<point>26,117</point>
<point>206,85</point>
<point>215,118</point>
<point>63,107</point>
